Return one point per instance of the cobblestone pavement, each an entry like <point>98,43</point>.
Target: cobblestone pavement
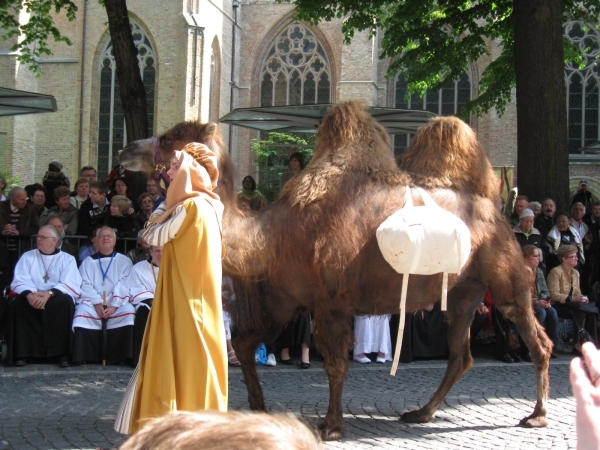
<point>44,407</point>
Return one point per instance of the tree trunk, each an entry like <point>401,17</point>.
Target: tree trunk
<point>131,87</point>
<point>543,159</point>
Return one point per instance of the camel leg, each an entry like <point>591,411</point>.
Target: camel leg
<point>245,347</point>
<point>540,348</point>
<point>333,336</point>
<point>462,302</point>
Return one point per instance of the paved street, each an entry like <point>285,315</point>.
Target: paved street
<point>44,407</point>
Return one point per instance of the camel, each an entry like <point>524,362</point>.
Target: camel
<point>314,249</point>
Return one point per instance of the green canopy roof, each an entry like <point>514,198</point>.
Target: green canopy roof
<point>306,118</point>
<point>13,102</point>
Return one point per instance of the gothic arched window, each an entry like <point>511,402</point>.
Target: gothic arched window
<point>296,70</point>
<point>445,102</point>
<point>111,124</point>
<point>582,86</point>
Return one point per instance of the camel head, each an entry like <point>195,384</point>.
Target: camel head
<point>141,155</point>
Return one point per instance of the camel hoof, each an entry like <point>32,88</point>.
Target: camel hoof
<point>330,433</point>
<point>417,416</point>
<point>534,422</point>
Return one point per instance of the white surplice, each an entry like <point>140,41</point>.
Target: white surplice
<point>142,283</point>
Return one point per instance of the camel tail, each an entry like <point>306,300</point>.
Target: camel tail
<point>445,153</point>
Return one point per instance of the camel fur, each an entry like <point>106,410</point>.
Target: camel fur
<point>314,249</point>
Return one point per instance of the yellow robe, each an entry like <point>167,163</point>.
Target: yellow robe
<point>183,362</point>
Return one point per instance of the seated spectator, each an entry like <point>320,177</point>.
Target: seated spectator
<point>425,334</point>
<point>372,334</point>
<point>142,285</point>
<point>37,197</point>
<point>146,206</point>
<point>249,193</point>
<point>91,249</point>
<point>219,430</point>
<point>3,185</point>
<point>155,191</point>
<point>54,178</point>
<point>48,283</point>
<point>81,193</point>
<point>578,212</point>
<point>521,203</point>
<point>89,173</point>
<point>545,221</point>
<point>119,219</point>
<point>18,221</point>
<point>120,173</point>
<point>119,187</point>
<point>525,233</point>
<point>540,295</point>
<point>93,210</point>
<point>141,252</point>
<point>64,246</point>
<point>69,215</point>
<point>562,233</point>
<point>536,207</point>
<point>104,296</point>
<point>296,332</point>
<point>565,291</point>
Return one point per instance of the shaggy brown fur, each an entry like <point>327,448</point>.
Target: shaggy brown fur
<point>315,249</point>
<point>446,154</point>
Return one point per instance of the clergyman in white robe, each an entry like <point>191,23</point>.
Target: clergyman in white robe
<point>45,333</point>
<point>372,334</point>
<point>142,285</point>
<point>104,282</point>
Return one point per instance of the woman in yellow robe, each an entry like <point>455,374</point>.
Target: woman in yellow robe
<point>183,362</point>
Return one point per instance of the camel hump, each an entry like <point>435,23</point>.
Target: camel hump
<point>349,122</point>
<point>445,153</point>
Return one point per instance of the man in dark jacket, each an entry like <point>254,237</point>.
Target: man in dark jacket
<point>18,221</point>
<point>583,196</point>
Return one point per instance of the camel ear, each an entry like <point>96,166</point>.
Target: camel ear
<point>211,129</point>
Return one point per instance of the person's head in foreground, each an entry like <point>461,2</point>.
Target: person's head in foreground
<point>218,430</point>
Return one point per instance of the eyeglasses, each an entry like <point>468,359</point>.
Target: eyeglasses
<point>573,257</point>
<point>45,237</point>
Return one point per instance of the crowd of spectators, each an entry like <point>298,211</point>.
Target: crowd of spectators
<point>561,252</point>
<point>74,299</point>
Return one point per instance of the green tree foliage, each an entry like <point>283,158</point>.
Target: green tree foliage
<point>35,33</point>
<point>431,41</point>
<point>272,155</point>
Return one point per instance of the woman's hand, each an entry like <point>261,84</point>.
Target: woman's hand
<point>542,303</point>
<point>586,388</point>
<point>579,298</point>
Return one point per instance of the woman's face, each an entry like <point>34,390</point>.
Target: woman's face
<point>83,190</point>
<point>64,202</point>
<point>175,165</point>
<point>570,261</point>
<point>526,223</point>
<point>247,183</point>
<point>120,187</point>
<point>562,223</point>
<point>533,260</point>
